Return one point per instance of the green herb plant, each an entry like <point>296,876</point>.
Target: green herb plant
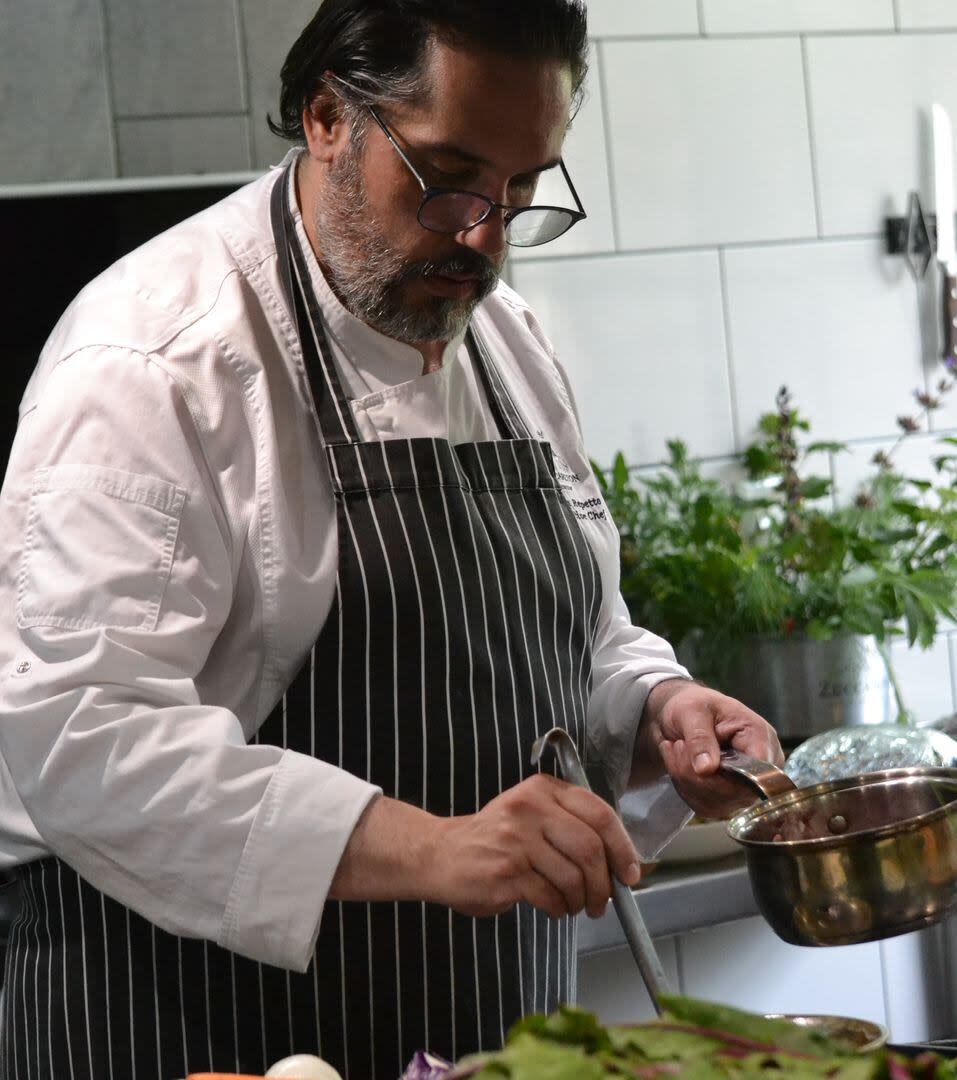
<point>711,564</point>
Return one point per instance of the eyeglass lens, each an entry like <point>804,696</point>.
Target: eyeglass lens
<point>453,211</point>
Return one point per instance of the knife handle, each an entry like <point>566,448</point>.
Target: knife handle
<point>950,319</point>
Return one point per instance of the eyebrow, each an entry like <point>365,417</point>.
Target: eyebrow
<point>476,159</point>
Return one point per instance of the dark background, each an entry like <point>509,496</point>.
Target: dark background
<point>55,244</point>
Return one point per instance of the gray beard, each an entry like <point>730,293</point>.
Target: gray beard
<point>370,278</point>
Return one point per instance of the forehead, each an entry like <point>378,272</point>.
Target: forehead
<point>498,107</point>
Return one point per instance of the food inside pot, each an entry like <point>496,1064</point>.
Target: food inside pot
<point>847,808</point>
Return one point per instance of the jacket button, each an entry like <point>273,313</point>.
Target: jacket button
<point>23,667</point>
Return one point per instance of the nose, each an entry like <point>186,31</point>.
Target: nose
<point>488,237</point>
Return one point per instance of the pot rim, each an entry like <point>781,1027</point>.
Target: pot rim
<point>744,820</point>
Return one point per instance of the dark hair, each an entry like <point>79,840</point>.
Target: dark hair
<point>378,47</point>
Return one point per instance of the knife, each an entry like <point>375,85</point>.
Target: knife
<point>946,241</point>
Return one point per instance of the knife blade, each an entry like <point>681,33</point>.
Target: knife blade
<point>946,232</point>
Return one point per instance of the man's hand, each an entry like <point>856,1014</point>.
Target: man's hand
<point>544,841</point>
<point>683,727</point>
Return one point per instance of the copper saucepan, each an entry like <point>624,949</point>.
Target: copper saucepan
<point>850,860</point>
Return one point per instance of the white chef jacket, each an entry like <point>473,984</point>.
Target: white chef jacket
<point>169,540</point>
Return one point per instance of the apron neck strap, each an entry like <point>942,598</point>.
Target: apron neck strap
<point>337,425</point>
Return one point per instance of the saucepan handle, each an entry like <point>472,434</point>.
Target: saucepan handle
<point>766,778</point>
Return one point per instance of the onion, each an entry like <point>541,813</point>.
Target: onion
<point>303,1067</point>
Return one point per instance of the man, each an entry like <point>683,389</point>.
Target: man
<point>302,553</point>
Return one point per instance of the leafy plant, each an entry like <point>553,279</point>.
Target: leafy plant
<point>709,564</point>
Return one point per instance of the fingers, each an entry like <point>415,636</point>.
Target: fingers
<point>578,855</point>
<point>570,838</point>
<point>751,735</point>
<point>617,849</point>
<point>538,891</point>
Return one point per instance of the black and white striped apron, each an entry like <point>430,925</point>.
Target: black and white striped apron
<point>466,604</point>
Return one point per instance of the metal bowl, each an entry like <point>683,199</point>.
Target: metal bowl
<point>860,1036</point>
<point>854,860</point>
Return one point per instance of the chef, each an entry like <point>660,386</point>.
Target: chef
<point>301,553</point>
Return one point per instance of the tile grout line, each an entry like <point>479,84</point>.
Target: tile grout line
<point>609,156</point>
<point>811,136</point>
<point>702,28</point>
<point>897,15</point>
<point>787,35</point>
<point>729,349</point>
<point>703,249</point>
<point>242,53</point>
<point>108,86</point>
<point>217,115</point>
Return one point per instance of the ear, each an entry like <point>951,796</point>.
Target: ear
<point>326,128</point>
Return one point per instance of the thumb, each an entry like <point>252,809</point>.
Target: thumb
<point>702,744</point>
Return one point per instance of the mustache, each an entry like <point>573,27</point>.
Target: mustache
<point>465,263</point>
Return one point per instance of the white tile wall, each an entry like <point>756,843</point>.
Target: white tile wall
<point>643,340</point>
<point>55,122</point>
<point>181,56</point>
<point>183,144</point>
<point>618,18</point>
<point>709,141</point>
<point>924,677</point>
<point>609,984</point>
<point>836,323</point>
<point>872,136</point>
<point>731,964</point>
<point>268,32</point>
<point>927,14</point>
<point>759,16</point>
<point>586,158</point>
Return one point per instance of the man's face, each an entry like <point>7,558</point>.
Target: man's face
<point>488,124</point>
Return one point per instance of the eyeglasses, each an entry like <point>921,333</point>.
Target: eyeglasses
<point>452,210</point>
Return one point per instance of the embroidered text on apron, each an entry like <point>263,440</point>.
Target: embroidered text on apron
<point>466,604</point>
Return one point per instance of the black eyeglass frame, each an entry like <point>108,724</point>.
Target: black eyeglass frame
<point>510,213</point>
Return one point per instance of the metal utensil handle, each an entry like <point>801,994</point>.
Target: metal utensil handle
<point>640,942</point>
<point>768,779</point>
<point>629,914</point>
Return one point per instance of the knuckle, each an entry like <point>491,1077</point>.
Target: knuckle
<point>604,816</point>
<point>593,849</point>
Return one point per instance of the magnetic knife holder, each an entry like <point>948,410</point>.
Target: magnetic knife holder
<point>914,236</point>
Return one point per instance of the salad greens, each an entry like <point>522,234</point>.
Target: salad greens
<point>693,1039</point>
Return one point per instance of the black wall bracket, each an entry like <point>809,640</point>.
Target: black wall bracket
<point>914,236</point>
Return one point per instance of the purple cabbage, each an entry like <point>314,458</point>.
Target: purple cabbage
<point>427,1067</point>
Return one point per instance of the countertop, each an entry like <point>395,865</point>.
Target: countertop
<point>676,899</point>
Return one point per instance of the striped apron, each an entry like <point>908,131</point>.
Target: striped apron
<point>466,605</point>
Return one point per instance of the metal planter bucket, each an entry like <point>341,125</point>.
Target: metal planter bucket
<point>804,687</point>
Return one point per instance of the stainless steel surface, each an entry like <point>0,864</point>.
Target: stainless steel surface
<point>768,779</point>
<point>675,900</point>
<point>803,686</point>
<point>863,1036</point>
<point>854,860</point>
<point>636,933</point>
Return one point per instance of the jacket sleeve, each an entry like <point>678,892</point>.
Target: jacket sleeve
<point>116,585</point>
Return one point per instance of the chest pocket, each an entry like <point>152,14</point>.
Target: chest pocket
<point>98,548</point>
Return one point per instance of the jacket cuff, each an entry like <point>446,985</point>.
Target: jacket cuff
<point>294,846</point>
